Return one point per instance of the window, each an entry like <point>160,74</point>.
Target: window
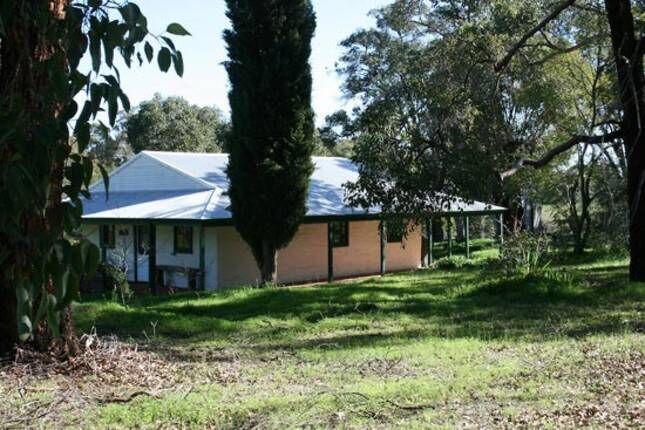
<point>394,232</point>
<point>339,234</point>
<point>143,239</point>
<point>183,240</point>
<point>106,237</point>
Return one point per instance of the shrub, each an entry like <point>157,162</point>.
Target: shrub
<point>450,263</point>
<point>117,279</point>
<point>526,254</point>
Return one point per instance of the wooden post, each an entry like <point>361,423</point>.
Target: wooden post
<point>152,259</point>
<point>135,251</point>
<point>467,236</point>
<point>449,236</point>
<point>501,231</point>
<point>429,243</point>
<point>202,258</point>
<point>383,241</point>
<point>330,254</point>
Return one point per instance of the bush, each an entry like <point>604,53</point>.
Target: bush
<point>526,254</point>
<point>117,280</point>
<point>450,263</point>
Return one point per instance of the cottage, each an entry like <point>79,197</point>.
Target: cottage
<point>166,220</point>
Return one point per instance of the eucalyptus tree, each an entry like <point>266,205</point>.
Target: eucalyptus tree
<point>173,124</point>
<point>42,175</point>
<point>434,119</point>
<point>272,128</point>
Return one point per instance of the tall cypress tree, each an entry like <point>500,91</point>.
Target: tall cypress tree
<point>271,142</point>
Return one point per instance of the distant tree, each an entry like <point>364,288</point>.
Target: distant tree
<point>271,139</point>
<point>109,148</point>
<point>173,124</point>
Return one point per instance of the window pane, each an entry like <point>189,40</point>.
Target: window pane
<point>143,239</point>
<point>339,234</point>
<point>106,236</point>
<point>394,232</point>
<point>183,240</point>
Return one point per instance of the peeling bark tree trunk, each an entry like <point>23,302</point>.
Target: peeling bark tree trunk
<point>32,57</point>
<point>628,52</point>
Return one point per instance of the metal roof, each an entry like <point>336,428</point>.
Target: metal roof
<point>326,192</point>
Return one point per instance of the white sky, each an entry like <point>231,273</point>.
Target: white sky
<point>205,81</point>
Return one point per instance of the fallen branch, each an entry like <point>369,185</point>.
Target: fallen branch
<point>126,399</point>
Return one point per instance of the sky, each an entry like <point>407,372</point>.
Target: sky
<point>205,81</point>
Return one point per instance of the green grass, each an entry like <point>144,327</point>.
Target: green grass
<point>437,348</point>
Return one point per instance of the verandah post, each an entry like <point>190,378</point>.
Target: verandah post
<point>202,257</point>
<point>382,237</point>
<point>501,230</point>
<point>467,235</point>
<point>429,244</point>
<point>152,259</point>
<point>330,254</point>
<point>135,251</point>
<point>449,236</point>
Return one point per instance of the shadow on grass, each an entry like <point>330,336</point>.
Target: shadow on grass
<point>469,303</point>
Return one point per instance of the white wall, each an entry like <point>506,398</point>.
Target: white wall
<point>165,243</point>
<point>147,173</point>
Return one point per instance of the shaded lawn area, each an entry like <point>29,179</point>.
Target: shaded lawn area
<point>462,348</point>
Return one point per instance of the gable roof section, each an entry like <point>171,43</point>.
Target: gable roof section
<point>144,172</point>
<point>190,186</point>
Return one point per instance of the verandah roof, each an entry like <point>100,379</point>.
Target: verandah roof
<point>209,202</point>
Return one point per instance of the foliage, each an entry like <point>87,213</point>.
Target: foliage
<point>117,278</point>
<point>452,263</point>
<point>173,124</point>
<point>109,148</point>
<point>272,128</point>
<point>526,254</point>
<point>434,119</point>
<point>42,176</point>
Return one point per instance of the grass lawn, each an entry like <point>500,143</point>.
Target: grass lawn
<point>439,348</point>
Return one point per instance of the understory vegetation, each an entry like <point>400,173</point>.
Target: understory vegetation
<point>467,347</point>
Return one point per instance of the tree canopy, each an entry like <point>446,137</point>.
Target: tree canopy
<point>173,124</point>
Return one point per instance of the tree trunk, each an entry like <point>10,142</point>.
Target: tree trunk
<point>268,265</point>
<point>628,53</point>
<point>33,74</point>
<point>8,325</point>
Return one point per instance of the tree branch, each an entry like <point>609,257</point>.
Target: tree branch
<point>551,154</point>
<point>500,65</point>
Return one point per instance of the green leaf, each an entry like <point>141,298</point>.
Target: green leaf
<point>83,136</point>
<point>113,106</point>
<point>25,328</point>
<point>149,51</point>
<point>177,29</point>
<point>53,315</point>
<point>169,43</point>
<point>95,52</point>
<point>125,101</point>
<point>163,58</point>
<point>178,62</point>
<point>106,179</point>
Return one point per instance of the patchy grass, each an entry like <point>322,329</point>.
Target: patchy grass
<point>444,348</point>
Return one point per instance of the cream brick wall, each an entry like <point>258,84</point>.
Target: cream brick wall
<point>305,259</point>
